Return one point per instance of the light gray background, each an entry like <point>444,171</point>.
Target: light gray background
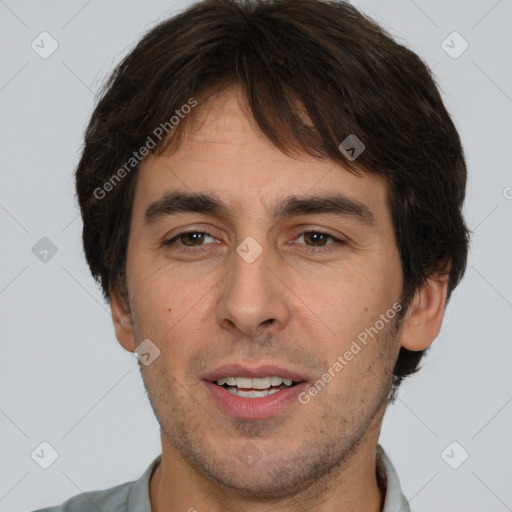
<point>65,379</point>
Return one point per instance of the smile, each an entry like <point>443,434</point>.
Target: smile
<point>256,387</point>
<point>254,393</point>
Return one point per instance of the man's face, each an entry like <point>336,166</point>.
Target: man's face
<point>255,291</point>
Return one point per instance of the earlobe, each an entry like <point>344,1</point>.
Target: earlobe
<point>424,316</point>
<point>122,320</point>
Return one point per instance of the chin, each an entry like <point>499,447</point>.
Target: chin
<point>252,474</point>
<point>259,484</point>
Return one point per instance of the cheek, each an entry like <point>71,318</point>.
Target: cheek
<point>154,301</point>
<point>349,301</point>
<point>169,310</point>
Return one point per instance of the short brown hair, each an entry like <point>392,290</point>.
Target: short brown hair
<point>290,57</point>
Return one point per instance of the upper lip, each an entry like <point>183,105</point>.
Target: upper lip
<point>239,370</point>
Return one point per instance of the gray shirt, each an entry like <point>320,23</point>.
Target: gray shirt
<point>134,496</point>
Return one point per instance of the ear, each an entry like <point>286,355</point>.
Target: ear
<point>423,319</point>
<point>122,319</point>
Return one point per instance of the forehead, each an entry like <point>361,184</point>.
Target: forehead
<point>224,151</point>
<point>222,125</point>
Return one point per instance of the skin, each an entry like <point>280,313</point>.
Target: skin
<point>208,308</point>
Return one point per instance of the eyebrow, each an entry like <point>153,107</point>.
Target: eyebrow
<point>186,202</point>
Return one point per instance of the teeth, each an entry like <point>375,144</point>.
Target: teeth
<point>256,383</point>
<point>251,394</point>
<point>242,382</point>
<point>260,383</point>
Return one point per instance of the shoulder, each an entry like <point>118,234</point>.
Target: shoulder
<point>113,499</point>
<point>128,497</point>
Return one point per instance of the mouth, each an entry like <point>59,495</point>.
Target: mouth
<point>254,393</point>
<point>257,387</point>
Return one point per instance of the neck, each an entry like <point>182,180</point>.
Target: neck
<point>355,485</point>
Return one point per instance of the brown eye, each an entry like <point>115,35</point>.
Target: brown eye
<point>189,239</point>
<point>316,238</point>
<point>317,242</point>
<point>194,237</point>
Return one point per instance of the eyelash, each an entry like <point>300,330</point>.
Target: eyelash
<point>310,249</point>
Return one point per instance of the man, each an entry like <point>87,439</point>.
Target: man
<point>271,194</point>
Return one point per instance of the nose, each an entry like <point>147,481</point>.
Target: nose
<point>254,297</point>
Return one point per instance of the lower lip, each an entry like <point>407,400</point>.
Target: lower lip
<point>255,408</point>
